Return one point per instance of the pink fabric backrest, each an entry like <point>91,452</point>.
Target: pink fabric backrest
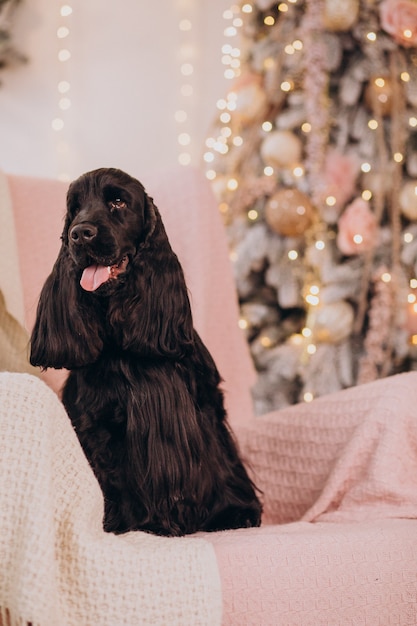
<point>196,233</point>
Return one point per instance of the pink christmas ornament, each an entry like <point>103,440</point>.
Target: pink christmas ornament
<point>358,228</point>
<point>339,177</point>
<point>399,19</point>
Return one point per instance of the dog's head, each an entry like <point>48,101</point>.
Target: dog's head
<point>109,215</point>
<point>116,283</point>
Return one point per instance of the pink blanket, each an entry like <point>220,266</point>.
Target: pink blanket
<point>348,463</point>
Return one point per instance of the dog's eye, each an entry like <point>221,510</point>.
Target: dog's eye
<point>117,203</point>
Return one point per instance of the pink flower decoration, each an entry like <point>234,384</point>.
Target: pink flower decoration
<point>358,228</point>
<point>339,177</point>
<point>399,19</point>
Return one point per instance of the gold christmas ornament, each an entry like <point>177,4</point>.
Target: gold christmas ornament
<point>408,199</point>
<point>378,95</point>
<point>332,322</point>
<point>281,148</point>
<point>250,98</point>
<point>340,15</point>
<point>289,212</point>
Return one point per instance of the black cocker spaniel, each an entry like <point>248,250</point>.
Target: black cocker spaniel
<point>143,391</point>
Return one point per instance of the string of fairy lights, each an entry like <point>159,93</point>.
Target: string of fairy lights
<point>380,90</point>
<point>60,121</point>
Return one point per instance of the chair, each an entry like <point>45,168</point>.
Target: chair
<point>339,475</point>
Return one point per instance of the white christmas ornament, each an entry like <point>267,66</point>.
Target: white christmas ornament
<point>281,148</point>
<point>333,322</point>
<point>408,199</point>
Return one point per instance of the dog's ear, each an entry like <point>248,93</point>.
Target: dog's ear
<point>66,331</point>
<point>156,317</point>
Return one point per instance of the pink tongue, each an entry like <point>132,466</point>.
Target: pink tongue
<point>94,276</point>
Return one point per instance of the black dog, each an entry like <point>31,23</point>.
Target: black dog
<point>143,392</point>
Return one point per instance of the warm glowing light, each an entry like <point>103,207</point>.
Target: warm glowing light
<point>267,126</point>
<point>306,127</point>
<point>298,171</point>
<point>184,139</point>
<point>64,55</point>
<point>187,69</point>
<point>66,10</point>
<point>366,167</point>
<point>286,86</point>
<point>306,332</point>
<point>283,7</point>
<point>308,396</point>
<point>296,339</point>
<point>297,44</point>
<point>269,20</point>
<point>230,31</point>
<point>247,8</point>
<point>314,290</point>
<point>293,255</point>
<point>229,74</point>
<point>414,340</point>
<point>232,184</point>
<point>386,277</point>
<point>253,215</point>
<point>413,283</point>
<point>211,174</point>
<point>408,237</point>
<point>184,158</point>
<point>366,194</point>
<point>311,348</point>
<point>407,33</point>
<point>313,300</point>
<point>320,245</point>
<point>180,116</point>
<point>63,86</point>
<point>268,170</point>
<point>62,32</point>
<point>373,124</point>
<point>412,121</point>
<point>411,298</point>
<point>380,82</point>
<point>237,141</point>
<point>64,104</point>
<point>358,239</point>
<point>266,341</point>
<point>398,157</point>
<point>289,49</point>
<point>208,157</point>
<point>371,36</point>
<point>57,124</point>
<point>243,324</point>
<point>405,76</point>
<point>330,200</point>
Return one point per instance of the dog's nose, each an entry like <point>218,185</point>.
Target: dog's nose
<point>83,233</point>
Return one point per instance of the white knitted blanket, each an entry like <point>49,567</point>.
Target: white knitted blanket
<point>57,566</point>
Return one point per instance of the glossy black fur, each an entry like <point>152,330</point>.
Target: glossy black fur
<point>143,391</point>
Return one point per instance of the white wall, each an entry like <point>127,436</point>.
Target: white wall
<point>125,79</point>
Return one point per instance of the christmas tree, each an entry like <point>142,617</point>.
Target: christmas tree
<point>313,158</point>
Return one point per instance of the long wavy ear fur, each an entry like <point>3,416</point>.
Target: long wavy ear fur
<point>156,317</point>
<point>66,332</point>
